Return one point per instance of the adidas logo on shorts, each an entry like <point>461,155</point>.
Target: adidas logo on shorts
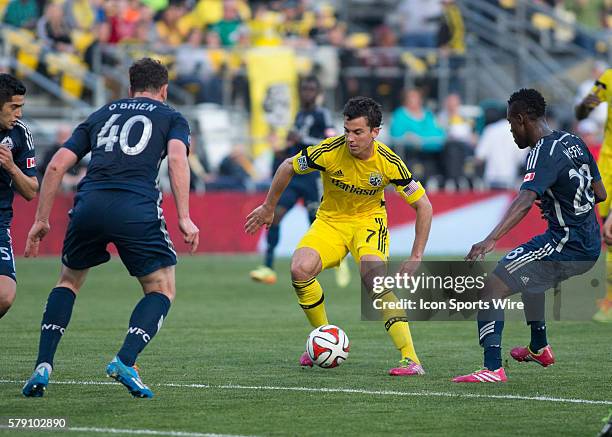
<point>525,280</point>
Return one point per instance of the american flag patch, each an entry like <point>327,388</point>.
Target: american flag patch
<point>30,162</point>
<point>411,188</point>
<point>529,177</point>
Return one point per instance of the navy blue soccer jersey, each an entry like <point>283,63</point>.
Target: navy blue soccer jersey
<point>310,125</point>
<point>19,141</point>
<point>560,170</point>
<point>127,139</point>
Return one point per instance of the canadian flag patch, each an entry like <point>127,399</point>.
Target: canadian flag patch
<point>30,162</point>
<point>529,177</point>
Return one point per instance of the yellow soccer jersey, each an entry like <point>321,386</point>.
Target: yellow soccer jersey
<point>603,90</point>
<point>354,188</point>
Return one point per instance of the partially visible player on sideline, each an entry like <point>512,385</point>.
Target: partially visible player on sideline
<point>312,125</point>
<point>118,202</point>
<point>17,172</point>
<point>352,217</point>
<point>602,92</point>
<point>563,175</point>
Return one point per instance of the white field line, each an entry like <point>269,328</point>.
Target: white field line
<point>423,393</point>
<point>126,431</point>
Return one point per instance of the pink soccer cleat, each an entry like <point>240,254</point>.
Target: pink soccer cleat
<point>483,375</point>
<point>305,360</point>
<point>544,357</point>
<point>407,367</point>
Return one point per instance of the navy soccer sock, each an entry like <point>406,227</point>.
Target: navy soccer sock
<point>490,327</point>
<point>54,323</point>
<point>272,240</point>
<point>146,320</point>
<point>538,336</point>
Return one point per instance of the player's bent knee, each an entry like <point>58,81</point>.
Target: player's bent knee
<point>6,301</point>
<point>160,281</point>
<point>72,279</point>
<point>305,264</point>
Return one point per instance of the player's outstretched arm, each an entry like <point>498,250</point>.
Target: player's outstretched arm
<point>424,216</point>
<point>515,213</point>
<point>63,160</point>
<point>264,213</point>
<point>584,108</point>
<point>607,230</point>
<point>599,190</point>
<point>178,170</point>
<point>25,185</point>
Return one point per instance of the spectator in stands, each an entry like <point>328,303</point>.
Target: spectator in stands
<point>73,176</point>
<point>195,71</point>
<point>235,172</point>
<point>79,14</point>
<point>415,130</point>
<point>173,28</point>
<point>590,14</point>
<point>53,30</point>
<point>459,144</point>
<point>229,27</point>
<point>498,153</point>
<point>22,13</point>
<point>419,22</point>
<point>451,33</point>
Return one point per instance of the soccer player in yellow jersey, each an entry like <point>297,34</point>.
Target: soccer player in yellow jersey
<point>355,169</point>
<point>602,92</point>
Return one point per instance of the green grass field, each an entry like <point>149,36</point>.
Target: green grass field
<point>225,362</point>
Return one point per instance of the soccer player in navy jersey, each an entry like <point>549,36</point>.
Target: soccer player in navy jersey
<point>17,173</point>
<point>118,202</point>
<point>562,174</point>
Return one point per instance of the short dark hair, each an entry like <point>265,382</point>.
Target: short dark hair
<point>311,78</point>
<point>364,107</point>
<point>528,101</point>
<point>10,86</point>
<point>147,74</point>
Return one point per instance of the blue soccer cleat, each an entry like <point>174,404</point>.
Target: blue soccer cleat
<point>128,376</point>
<point>36,385</point>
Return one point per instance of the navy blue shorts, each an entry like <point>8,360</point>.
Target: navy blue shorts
<point>305,187</point>
<point>537,266</point>
<point>132,222</point>
<point>7,260</point>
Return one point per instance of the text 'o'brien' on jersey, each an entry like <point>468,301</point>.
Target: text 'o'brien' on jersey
<point>561,170</point>
<point>128,140</point>
<point>19,141</point>
<point>354,188</point>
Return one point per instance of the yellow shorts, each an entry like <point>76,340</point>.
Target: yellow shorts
<point>334,240</point>
<point>604,163</point>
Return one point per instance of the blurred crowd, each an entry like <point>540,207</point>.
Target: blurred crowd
<point>447,144</point>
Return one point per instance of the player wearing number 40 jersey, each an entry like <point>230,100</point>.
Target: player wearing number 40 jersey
<point>563,175</point>
<point>118,202</point>
<point>17,173</point>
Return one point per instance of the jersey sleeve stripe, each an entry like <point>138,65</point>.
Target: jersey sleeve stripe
<point>28,134</point>
<point>310,161</point>
<point>552,149</point>
<point>327,147</point>
<point>403,170</point>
